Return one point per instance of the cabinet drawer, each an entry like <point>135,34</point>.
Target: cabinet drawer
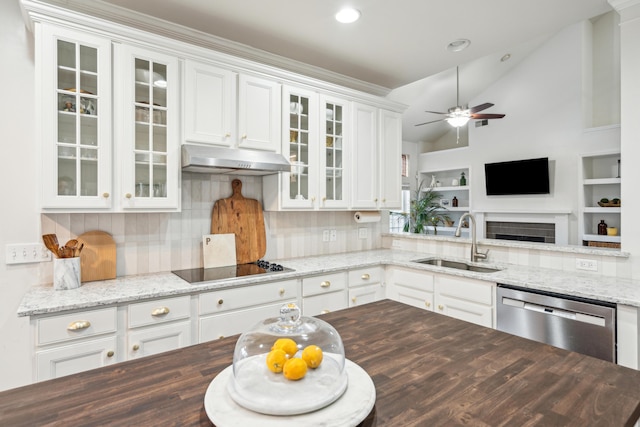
<point>82,324</point>
<point>466,289</point>
<point>148,341</point>
<point>323,284</point>
<point>365,294</point>
<point>411,296</point>
<point>418,280</point>
<point>236,322</point>
<point>159,311</point>
<point>236,298</point>
<point>325,303</point>
<point>74,358</point>
<point>365,276</point>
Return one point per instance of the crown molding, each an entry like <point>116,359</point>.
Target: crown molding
<point>628,10</point>
<point>107,15</point>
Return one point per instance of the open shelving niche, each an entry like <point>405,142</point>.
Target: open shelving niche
<point>599,178</point>
<point>448,191</point>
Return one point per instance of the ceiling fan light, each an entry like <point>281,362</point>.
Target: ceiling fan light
<point>348,15</point>
<point>458,121</point>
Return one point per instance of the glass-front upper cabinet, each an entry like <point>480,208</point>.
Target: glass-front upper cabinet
<point>148,143</point>
<point>76,108</point>
<point>301,138</point>
<point>333,146</point>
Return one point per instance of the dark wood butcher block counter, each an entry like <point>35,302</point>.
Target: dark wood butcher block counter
<point>428,369</point>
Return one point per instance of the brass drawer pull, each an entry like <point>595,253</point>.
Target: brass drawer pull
<point>136,347</point>
<point>440,307</point>
<point>281,291</point>
<point>110,353</point>
<point>160,311</point>
<point>78,325</point>
<point>325,311</point>
<point>427,303</point>
<point>365,276</point>
<point>220,301</point>
<point>325,284</point>
<point>353,299</point>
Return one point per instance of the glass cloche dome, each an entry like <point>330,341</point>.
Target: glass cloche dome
<point>288,365</point>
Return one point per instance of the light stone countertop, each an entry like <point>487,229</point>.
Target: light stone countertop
<point>43,299</point>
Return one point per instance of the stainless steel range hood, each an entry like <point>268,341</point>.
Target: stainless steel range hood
<point>220,160</point>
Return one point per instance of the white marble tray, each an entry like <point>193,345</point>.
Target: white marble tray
<point>260,390</point>
<point>349,410</point>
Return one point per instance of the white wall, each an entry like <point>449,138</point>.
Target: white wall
<point>542,99</point>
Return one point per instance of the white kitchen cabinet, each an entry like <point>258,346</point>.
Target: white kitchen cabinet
<point>324,293</point>
<point>599,179</point>
<point>465,299</point>
<point>231,311</point>
<point>73,76</point>
<point>365,285</point>
<point>259,102</point>
<point>334,153</point>
<point>376,158</point>
<point>210,100</point>
<point>448,186</point>
<point>146,91</point>
<point>460,297</point>
<point>74,342</point>
<point>158,325</point>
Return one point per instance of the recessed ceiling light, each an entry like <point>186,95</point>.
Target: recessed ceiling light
<point>348,15</point>
<point>505,57</point>
<point>458,45</point>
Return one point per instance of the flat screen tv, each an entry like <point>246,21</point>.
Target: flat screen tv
<point>530,176</point>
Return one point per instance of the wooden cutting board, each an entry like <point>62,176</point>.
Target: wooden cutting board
<point>98,256</point>
<point>244,218</point>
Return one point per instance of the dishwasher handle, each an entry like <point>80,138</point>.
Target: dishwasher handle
<point>566,314</point>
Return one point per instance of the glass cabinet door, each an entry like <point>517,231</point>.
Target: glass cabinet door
<point>332,149</point>
<point>300,108</point>
<point>81,138</point>
<point>149,143</point>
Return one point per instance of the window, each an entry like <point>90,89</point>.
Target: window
<point>397,221</point>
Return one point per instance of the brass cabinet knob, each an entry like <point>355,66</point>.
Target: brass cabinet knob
<point>128,195</point>
<point>325,311</point>
<point>136,347</point>
<point>220,301</point>
<point>440,307</point>
<point>353,299</point>
<point>244,136</point>
<point>375,200</point>
<point>110,353</point>
<point>427,304</point>
<point>220,337</point>
<point>325,284</point>
<point>313,198</point>
<point>78,325</point>
<point>281,291</point>
<point>324,199</point>
<point>384,200</point>
<point>365,276</point>
<point>227,135</point>
<point>160,311</point>
<point>105,195</point>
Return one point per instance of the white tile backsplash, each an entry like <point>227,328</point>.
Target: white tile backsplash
<point>155,242</point>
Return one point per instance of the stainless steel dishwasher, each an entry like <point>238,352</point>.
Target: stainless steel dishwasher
<point>577,324</point>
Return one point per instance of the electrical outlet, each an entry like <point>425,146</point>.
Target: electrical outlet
<point>586,264</point>
<point>363,233</point>
<point>325,235</point>
<point>333,235</point>
<point>396,243</point>
<point>25,253</point>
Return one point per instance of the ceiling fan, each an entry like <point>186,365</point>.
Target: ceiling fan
<point>459,115</point>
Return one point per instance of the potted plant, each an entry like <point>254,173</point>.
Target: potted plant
<point>425,210</point>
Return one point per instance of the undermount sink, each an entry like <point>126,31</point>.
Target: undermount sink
<point>439,262</point>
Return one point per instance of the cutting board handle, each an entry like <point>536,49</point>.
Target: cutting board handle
<point>236,186</point>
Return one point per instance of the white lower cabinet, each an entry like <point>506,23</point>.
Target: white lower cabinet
<point>324,293</point>
<point>74,342</point>
<point>158,325</point>
<point>465,299</point>
<point>232,311</point>
<point>366,285</point>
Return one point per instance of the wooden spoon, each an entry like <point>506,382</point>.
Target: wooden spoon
<point>51,242</point>
<point>78,250</point>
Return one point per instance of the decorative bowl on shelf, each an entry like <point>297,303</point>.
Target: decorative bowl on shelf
<point>613,203</point>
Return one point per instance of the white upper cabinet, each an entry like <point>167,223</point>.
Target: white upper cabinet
<point>334,149</point>
<point>74,75</point>
<point>258,113</point>
<point>210,94</point>
<point>146,88</point>
<point>390,175</point>
<point>364,178</point>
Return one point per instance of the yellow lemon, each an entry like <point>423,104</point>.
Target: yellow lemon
<point>312,355</point>
<point>287,344</point>
<point>294,369</point>
<point>276,360</point>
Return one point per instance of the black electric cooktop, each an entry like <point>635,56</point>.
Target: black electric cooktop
<point>199,275</point>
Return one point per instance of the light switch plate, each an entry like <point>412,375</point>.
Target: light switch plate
<point>25,253</point>
<point>586,264</point>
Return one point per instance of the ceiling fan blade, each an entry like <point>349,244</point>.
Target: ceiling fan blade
<point>480,107</point>
<point>434,112</point>
<point>486,116</point>
<point>433,121</point>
